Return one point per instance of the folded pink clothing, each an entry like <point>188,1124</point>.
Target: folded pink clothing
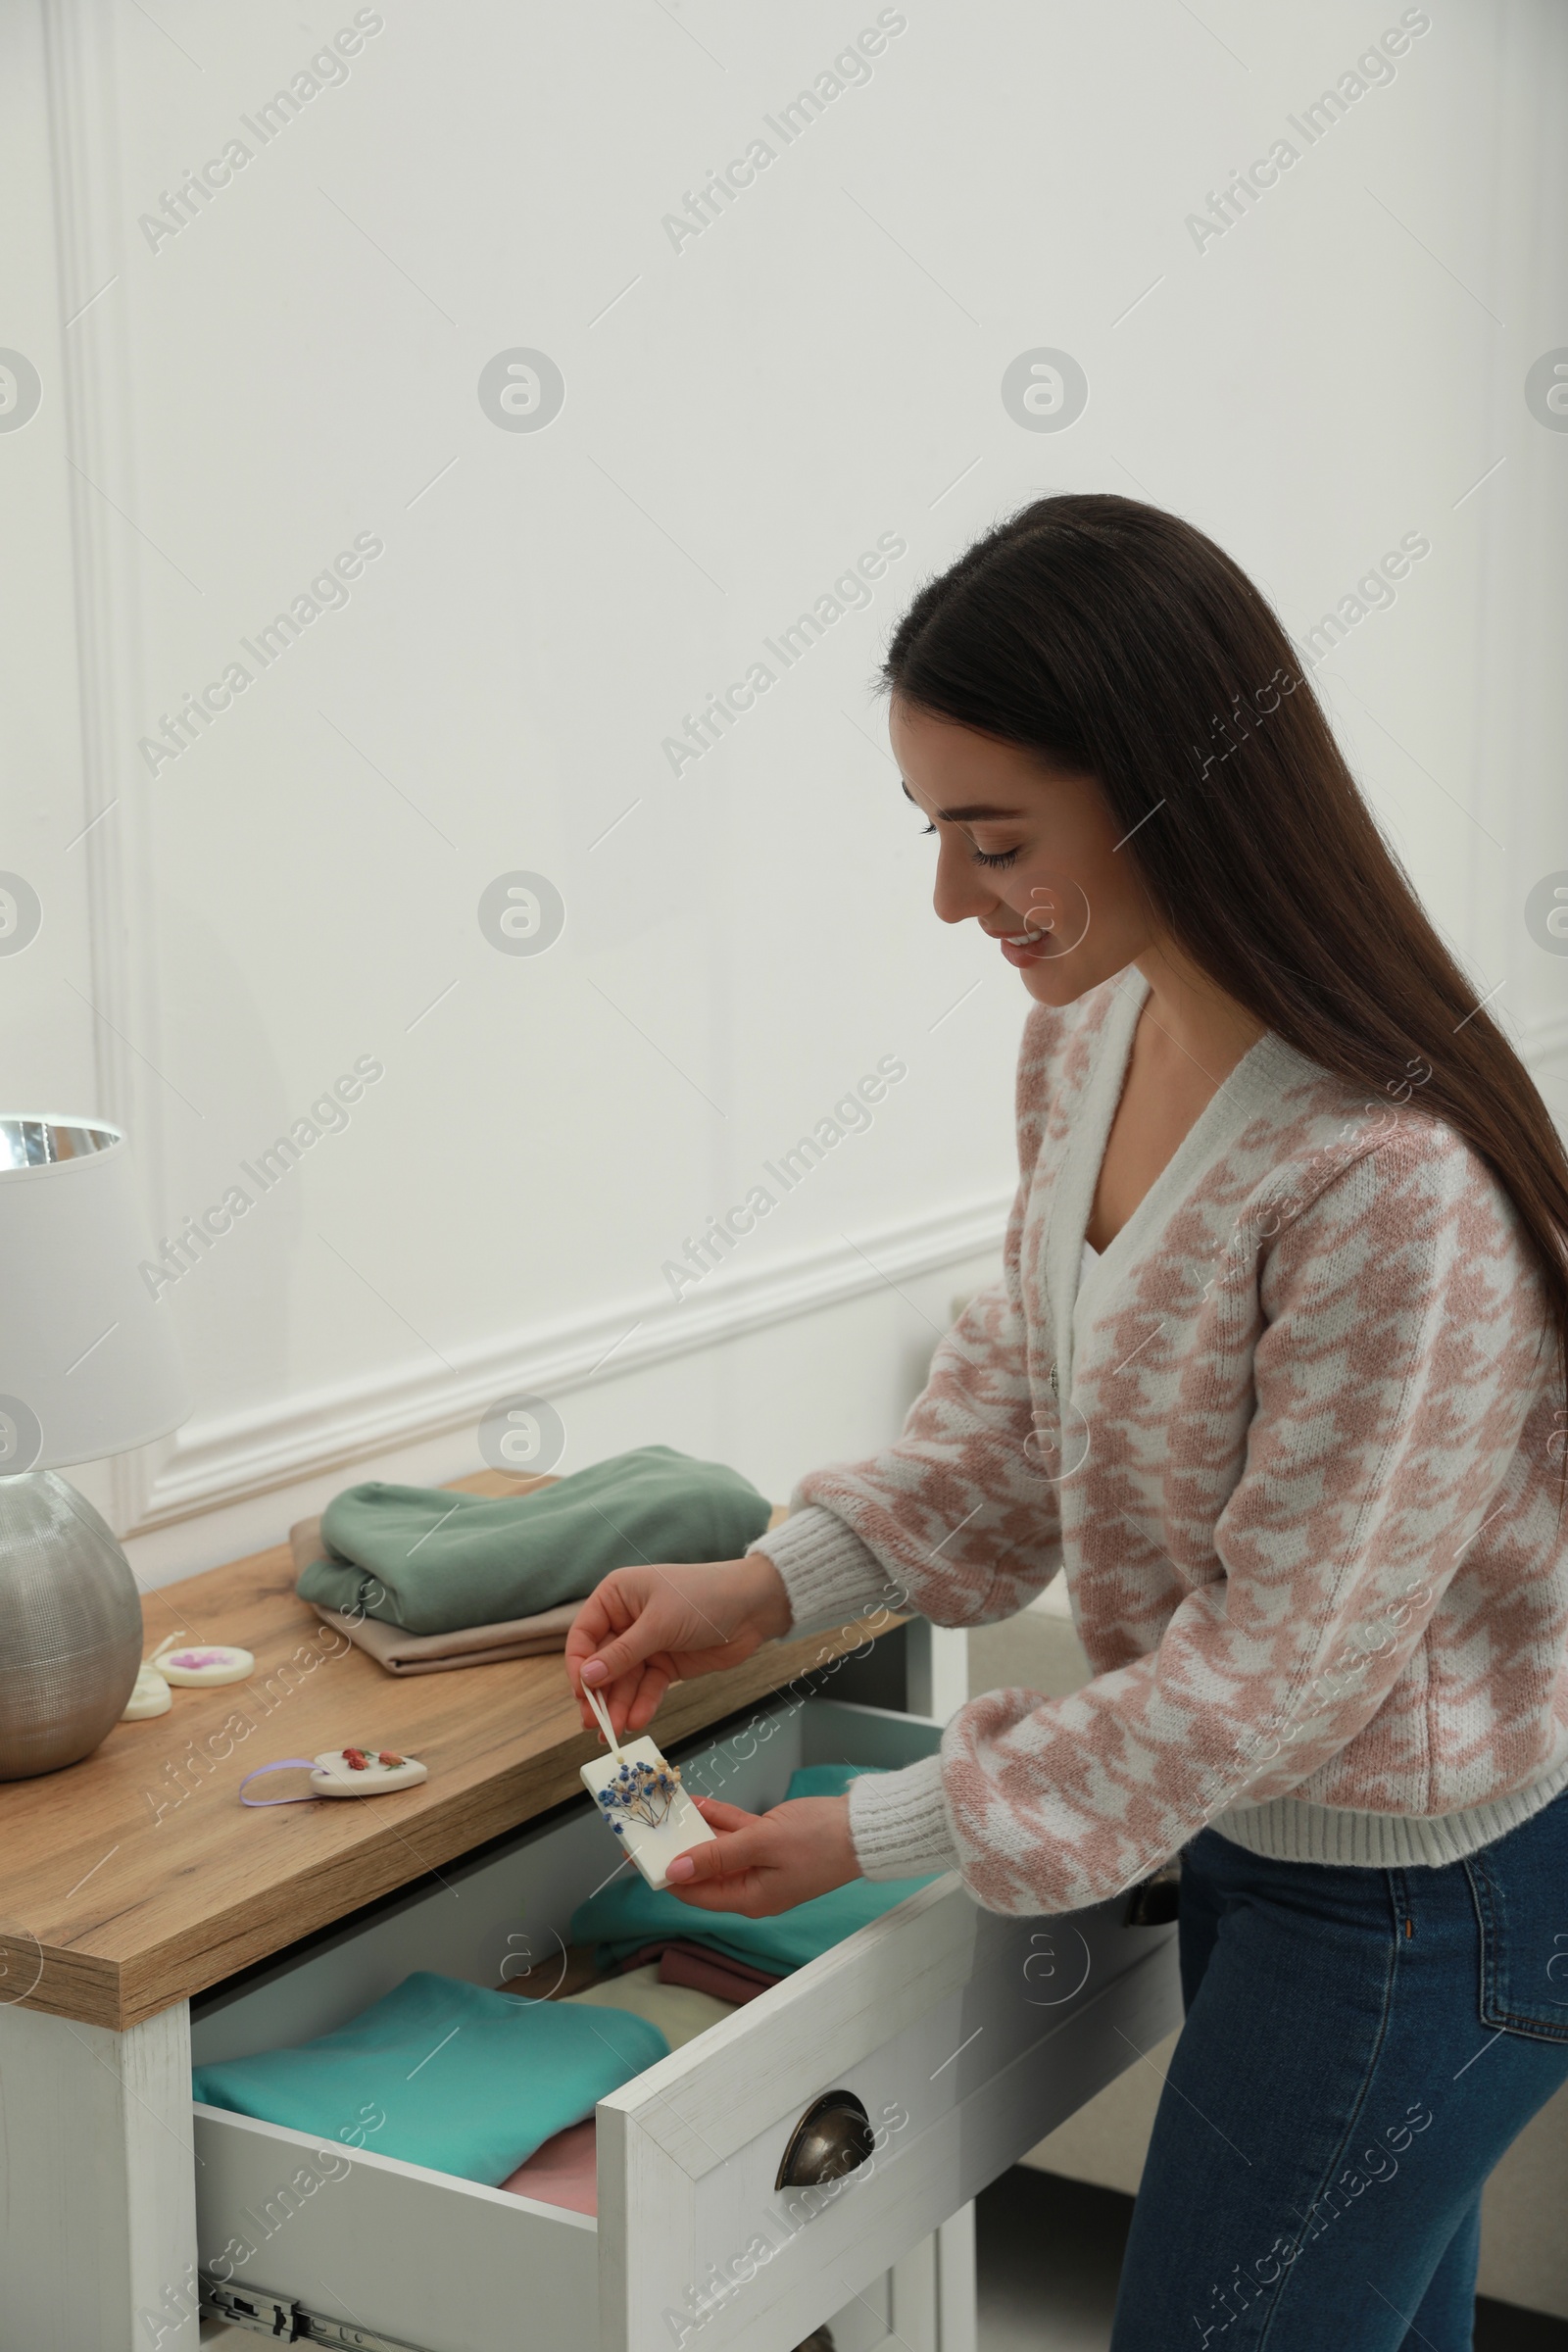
<point>704,1969</point>
<point>561,2171</point>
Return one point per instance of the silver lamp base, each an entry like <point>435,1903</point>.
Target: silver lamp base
<point>71,1630</point>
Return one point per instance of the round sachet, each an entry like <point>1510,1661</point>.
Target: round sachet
<point>150,1696</point>
<point>200,1662</point>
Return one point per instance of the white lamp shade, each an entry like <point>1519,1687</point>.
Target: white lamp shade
<point>88,1362</point>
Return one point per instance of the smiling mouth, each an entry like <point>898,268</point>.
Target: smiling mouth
<point>1021,948</point>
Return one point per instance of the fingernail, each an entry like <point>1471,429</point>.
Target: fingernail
<point>681,1867</point>
<point>595,1670</point>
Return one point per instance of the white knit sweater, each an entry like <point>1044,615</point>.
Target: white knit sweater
<point>1294,1440</point>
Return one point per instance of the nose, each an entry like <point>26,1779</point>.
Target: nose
<point>961,895</point>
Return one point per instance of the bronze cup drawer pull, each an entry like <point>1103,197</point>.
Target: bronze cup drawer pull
<point>832,2137</point>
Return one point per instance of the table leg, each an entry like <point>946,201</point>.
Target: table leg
<point>934,2303</point>
<point>915,2316</point>
<point>957,2299</point>
<point>97,2185</point>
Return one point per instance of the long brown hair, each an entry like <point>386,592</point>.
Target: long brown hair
<point>1121,643</point>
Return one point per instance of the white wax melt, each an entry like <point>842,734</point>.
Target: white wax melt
<point>201,1661</point>
<point>639,1796</point>
<point>360,1771</point>
<point>150,1695</point>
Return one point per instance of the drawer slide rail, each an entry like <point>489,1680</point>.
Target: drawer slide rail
<point>288,2323</point>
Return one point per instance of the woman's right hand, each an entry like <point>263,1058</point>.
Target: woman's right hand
<point>642,1629</point>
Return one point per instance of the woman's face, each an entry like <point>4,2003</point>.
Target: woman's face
<point>1028,852</point>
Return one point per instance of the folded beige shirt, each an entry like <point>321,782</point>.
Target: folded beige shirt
<point>401,1653</point>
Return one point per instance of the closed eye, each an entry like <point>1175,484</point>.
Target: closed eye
<point>982,857</point>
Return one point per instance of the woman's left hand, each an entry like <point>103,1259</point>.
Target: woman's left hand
<point>761,1863</point>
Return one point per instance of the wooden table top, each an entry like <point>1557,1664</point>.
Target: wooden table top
<point>135,1877</point>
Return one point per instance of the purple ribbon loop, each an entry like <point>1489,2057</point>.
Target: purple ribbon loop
<point>288,1764</point>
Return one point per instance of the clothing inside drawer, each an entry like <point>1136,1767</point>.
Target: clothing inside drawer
<point>957,2036</point>
<point>464,2080</point>
<point>504,1913</point>
<point>563,2170</point>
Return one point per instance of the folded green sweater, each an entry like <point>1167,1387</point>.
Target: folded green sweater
<point>443,2074</point>
<point>628,1915</point>
<point>433,1562</point>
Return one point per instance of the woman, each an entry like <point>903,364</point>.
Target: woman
<point>1275,1376</point>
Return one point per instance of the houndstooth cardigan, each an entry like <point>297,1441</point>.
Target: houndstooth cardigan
<point>1295,1441</point>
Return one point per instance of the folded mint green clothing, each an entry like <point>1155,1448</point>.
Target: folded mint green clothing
<point>433,1562</point>
<point>627,1915</point>
<point>443,2074</point>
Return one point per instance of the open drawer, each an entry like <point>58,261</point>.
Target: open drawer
<point>966,2037</point>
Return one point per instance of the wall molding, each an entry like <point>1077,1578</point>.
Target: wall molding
<point>91,357</point>
<point>218,1461</point>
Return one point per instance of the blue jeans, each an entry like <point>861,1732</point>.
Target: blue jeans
<point>1360,2047</point>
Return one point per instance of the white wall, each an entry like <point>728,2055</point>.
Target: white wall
<point>743,416</point>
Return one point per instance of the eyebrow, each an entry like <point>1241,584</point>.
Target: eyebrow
<point>980,813</point>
